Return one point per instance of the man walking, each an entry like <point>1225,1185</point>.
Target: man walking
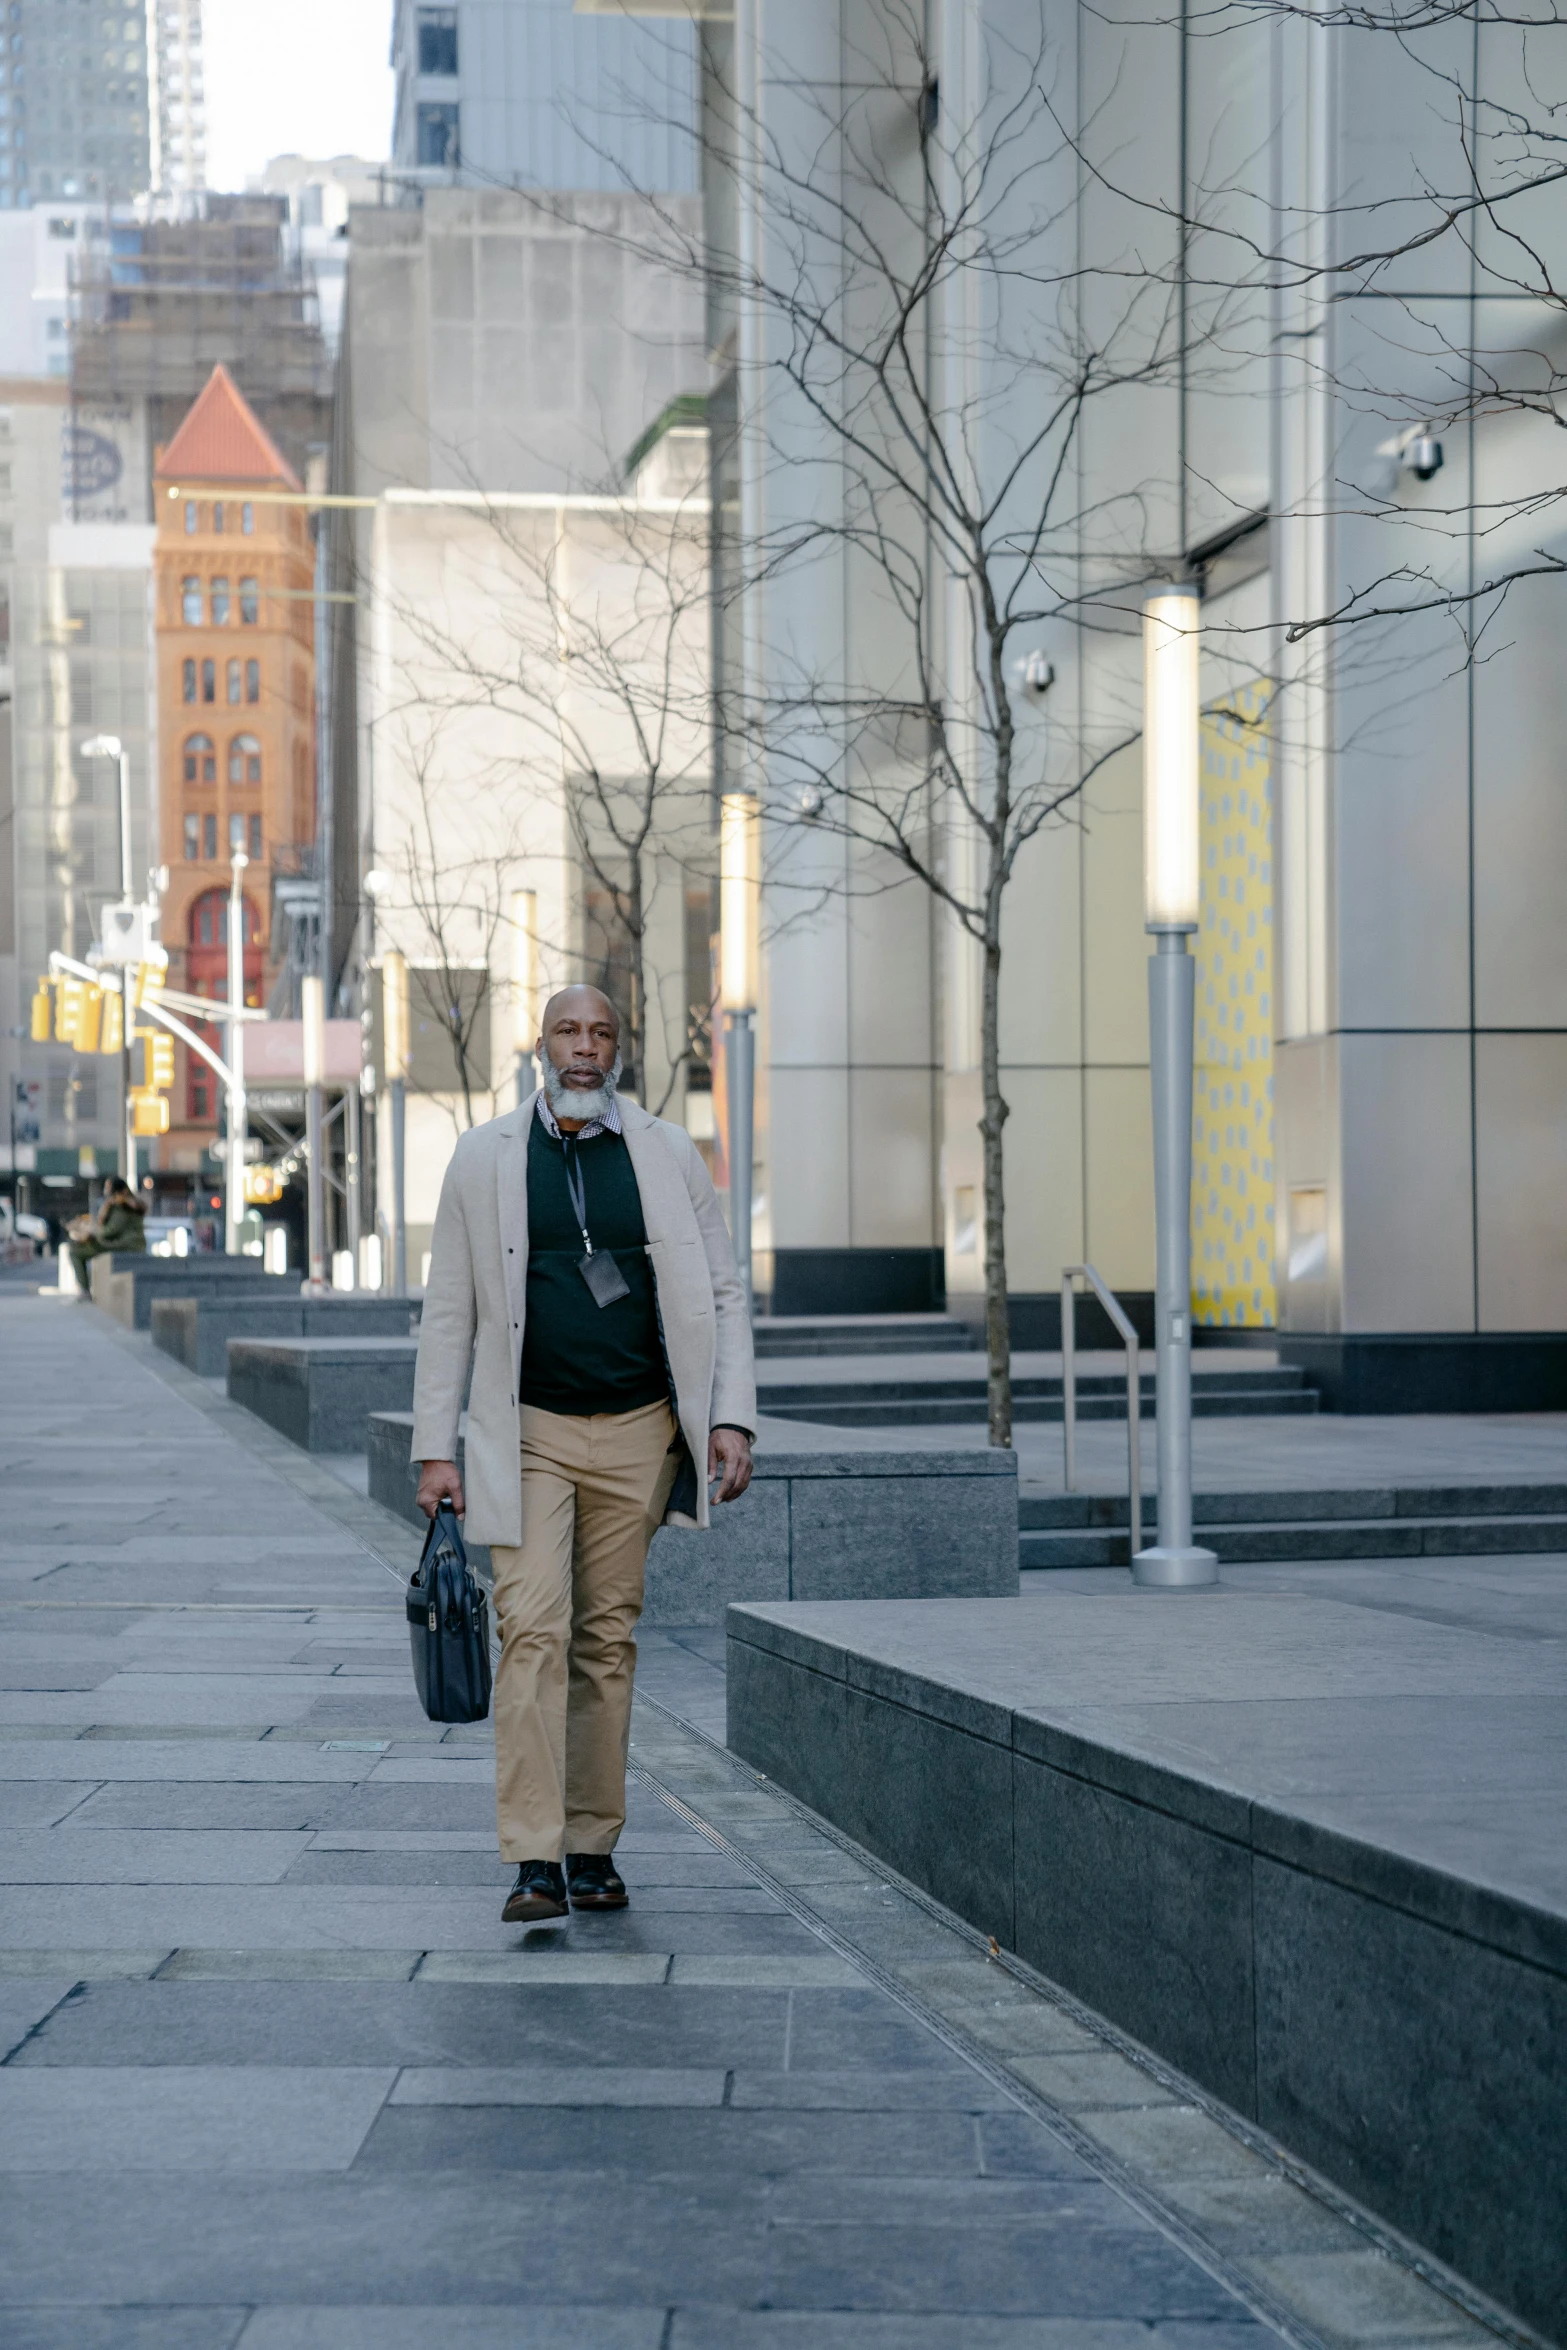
<point>581,1265</point>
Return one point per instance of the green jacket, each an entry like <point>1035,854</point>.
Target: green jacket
<point>121,1226</point>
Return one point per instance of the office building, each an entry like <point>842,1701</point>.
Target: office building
<point>74,103</point>
<point>541,94</point>
<point>178,106</point>
<point>1382,1044</point>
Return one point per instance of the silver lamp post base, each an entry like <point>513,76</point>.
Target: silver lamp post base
<point>1175,1570</point>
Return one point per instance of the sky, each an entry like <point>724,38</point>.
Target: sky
<point>305,77</point>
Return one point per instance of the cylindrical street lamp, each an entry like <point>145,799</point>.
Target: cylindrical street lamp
<point>1172,650</point>
<point>394,1048</point>
<point>109,746</point>
<point>234,1203</point>
<point>524,987</point>
<point>739,962</point>
<point>313,1022</point>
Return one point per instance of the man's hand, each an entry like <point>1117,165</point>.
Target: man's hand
<point>728,1459</point>
<point>438,1482</point>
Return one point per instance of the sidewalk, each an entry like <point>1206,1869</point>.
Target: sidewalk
<point>278,2077</point>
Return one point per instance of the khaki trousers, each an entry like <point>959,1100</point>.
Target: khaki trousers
<point>567,1599</point>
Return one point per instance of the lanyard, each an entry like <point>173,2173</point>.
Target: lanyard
<point>577,1190</point>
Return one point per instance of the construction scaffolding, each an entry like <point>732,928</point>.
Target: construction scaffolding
<point>158,302</point>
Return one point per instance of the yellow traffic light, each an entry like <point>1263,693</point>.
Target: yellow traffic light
<point>149,1112</point>
<point>151,976</point>
<point>264,1184</point>
<point>41,1012</point>
<point>67,1008</point>
<point>111,1035</point>
<point>159,1058</point>
<point>89,1020</point>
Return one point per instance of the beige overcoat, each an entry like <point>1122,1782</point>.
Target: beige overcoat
<point>475,1308</point>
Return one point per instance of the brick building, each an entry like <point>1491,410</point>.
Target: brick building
<point>234,571</point>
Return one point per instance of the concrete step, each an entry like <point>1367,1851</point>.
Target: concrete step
<point>944,1404</point>
<point>780,1335</point>
<point>1089,1530</point>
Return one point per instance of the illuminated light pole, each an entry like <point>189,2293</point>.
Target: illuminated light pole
<point>394,1046</point>
<point>234,1203</point>
<point>1172,653</point>
<point>313,1023</point>
<point>109,746</point>
<point>739,971</point>
<point>524,987</point>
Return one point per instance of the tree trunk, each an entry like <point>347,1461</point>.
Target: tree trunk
<point>998,1336</point>
<point>636,1010</point>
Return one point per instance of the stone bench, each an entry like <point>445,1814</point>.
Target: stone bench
<point>318,1392</point>
<point>125,1284</point>
<point>196,1330</point>
<point>818,1525</point>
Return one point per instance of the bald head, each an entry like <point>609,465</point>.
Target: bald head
<point>575,1004</point>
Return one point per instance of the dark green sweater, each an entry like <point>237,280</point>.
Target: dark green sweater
<point>578,1356</point>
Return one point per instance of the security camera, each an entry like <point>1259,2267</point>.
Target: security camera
<point>1423,455</point>
<point>811,802</point>
<point>1039,675</point>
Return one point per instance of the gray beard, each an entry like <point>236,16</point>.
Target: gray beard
<point>569,1101</point>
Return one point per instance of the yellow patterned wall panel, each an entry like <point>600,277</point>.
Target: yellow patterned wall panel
<point>1232,1109</point>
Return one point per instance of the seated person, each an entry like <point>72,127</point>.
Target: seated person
<point>118,1226</point>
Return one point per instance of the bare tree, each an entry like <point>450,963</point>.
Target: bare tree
<point>596,655</point>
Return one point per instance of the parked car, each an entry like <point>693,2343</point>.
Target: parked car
<point>22,1237</point>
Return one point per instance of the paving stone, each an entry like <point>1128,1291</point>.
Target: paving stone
<point>71,2327</point>
<point>192,2117</point>
<point>452,2327</point>
<point>24,2004</point>
<point>103,1856</point>
<point>533,2085</point>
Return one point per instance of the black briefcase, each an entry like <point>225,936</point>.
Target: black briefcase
<point>449,1627</point>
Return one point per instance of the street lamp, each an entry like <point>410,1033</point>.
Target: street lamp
<point>739,958</point>
<point>234,1204</point>
<point>109,746</point>
<point>394,1049</point>
<point>1172,651</point>
<point>313,1024</point>
<point>524,986</point>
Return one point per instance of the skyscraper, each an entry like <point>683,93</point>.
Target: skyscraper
<point>74,113</point>
<point>177,99</point>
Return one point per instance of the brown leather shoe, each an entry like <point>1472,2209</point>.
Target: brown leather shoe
<point>593,1882</point>
<point>540,1892</point>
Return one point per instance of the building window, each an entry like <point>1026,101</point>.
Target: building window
<point>236,835</point>
<point>201,759</point>
<point>209,920</point>
<point>192,839</point>
<point>220,603</point>
<point>188,680</point>
<point>209,681</point>
<point>190,602</point>
<point>249,602</point>
<point>198,1096</point>
<point>252,681</point>
<point>247,518</point>
<point>438,40</point>
<point>209,836</point>
<point>217,518</point>
<point>438,137</point>
<point>190,518</point>
<point>233,681</point>
<point>244,759</point>
<point>255,838</point>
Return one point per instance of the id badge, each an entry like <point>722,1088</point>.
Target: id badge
<point>603,1277</point>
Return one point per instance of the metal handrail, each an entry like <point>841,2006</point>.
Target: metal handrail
<point>1071,1274</point>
